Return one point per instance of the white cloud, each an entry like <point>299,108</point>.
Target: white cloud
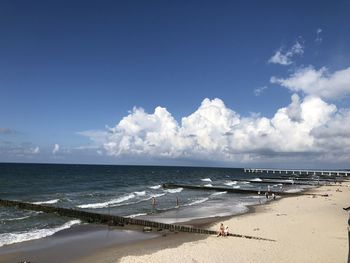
<point>319,83</point>
<point>55,149</point>
<point>259,91</point>
<point>285,58</point>
<point>318,38</point>
<point>36,150</point>
<point>216,133</point>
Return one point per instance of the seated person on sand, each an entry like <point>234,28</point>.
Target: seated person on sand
<point>226,233</point>
<point>221,230</point>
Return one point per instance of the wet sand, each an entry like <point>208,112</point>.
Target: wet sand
<point>71,244</point>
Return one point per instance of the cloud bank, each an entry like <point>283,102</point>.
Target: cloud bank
<point>308,126</point>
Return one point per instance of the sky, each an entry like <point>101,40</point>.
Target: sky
<point>202,83</point>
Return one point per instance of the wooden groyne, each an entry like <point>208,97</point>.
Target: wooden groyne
<point>233,190</point>
<point>114,220</point>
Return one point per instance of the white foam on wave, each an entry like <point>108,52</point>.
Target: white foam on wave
<point>15,219</point>
<point>206,180</point>
<point>17,237</point>
<point>236,186</point>
<point>230,183</point>
<point>244,182</point>
<point>173,191</point>
<point>53,201</point>
<point>141,193</point>
<point>155,187</point>
<point>156,195</point>
<point>109,203</point>
<point>256,180</point>
<point>208,185</point>
<point>196,202</point>
<point>136,215</point>
<point>219,193</point>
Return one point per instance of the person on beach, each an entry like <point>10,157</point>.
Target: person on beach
<point>221,230</point>
<point>226,233</point>
<point>267,195</point>
<point>177,201</point>
<point>273,196</point>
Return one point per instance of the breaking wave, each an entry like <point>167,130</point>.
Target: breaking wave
<point>16,237</point>
<point>206,180</point>
<point>155,187</point>
<point>173,191</point>
<point>53,201</point>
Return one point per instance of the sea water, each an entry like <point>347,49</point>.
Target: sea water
<point>118,190</point>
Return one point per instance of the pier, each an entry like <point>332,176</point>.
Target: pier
<point>113,220</point>
<point>297,171</point>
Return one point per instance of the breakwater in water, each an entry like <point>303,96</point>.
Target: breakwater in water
<point>114,220</point>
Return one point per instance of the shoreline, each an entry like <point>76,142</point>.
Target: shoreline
<point>136,249</point>
<point>305,228</point>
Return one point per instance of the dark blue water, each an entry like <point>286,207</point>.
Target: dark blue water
<point>119,190</point>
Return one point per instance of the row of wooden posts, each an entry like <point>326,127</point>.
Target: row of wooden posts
<point>114,220</point>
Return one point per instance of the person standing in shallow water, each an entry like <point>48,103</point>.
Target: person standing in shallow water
<point>154,202</point>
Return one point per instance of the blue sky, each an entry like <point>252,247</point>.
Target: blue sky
<point>68,69</point>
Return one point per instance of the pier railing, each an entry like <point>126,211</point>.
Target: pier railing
<point>298,171</point>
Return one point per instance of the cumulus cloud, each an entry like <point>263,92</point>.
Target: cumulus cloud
<point>285,57</point>
<point>321,83</point>
<point>216,132</point>
<point>259,91</point>
<point>55,149</point>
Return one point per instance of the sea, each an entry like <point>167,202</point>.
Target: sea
<point>120,190</point>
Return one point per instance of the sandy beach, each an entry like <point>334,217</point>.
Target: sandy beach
<point>306,229</point>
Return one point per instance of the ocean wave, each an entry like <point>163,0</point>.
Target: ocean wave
<point>199,201</point>
<point>141,193</point>
<point>173,191</point>
<point>219,193</point>
<point>17,237</point>
<point>53,201</point>
<point>156,195</point>
<point>206,180</point>
<point>155,187</point>
<point>236,186</point>
<point>230,183</point>
<point>109,203</point>
<point>208,185</point>
<point>136,215</point>
<point>256,180</point>
<point>244,182</point>
<point>15,219</point>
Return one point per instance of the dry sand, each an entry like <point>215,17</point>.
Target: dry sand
<point>306,229</point>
